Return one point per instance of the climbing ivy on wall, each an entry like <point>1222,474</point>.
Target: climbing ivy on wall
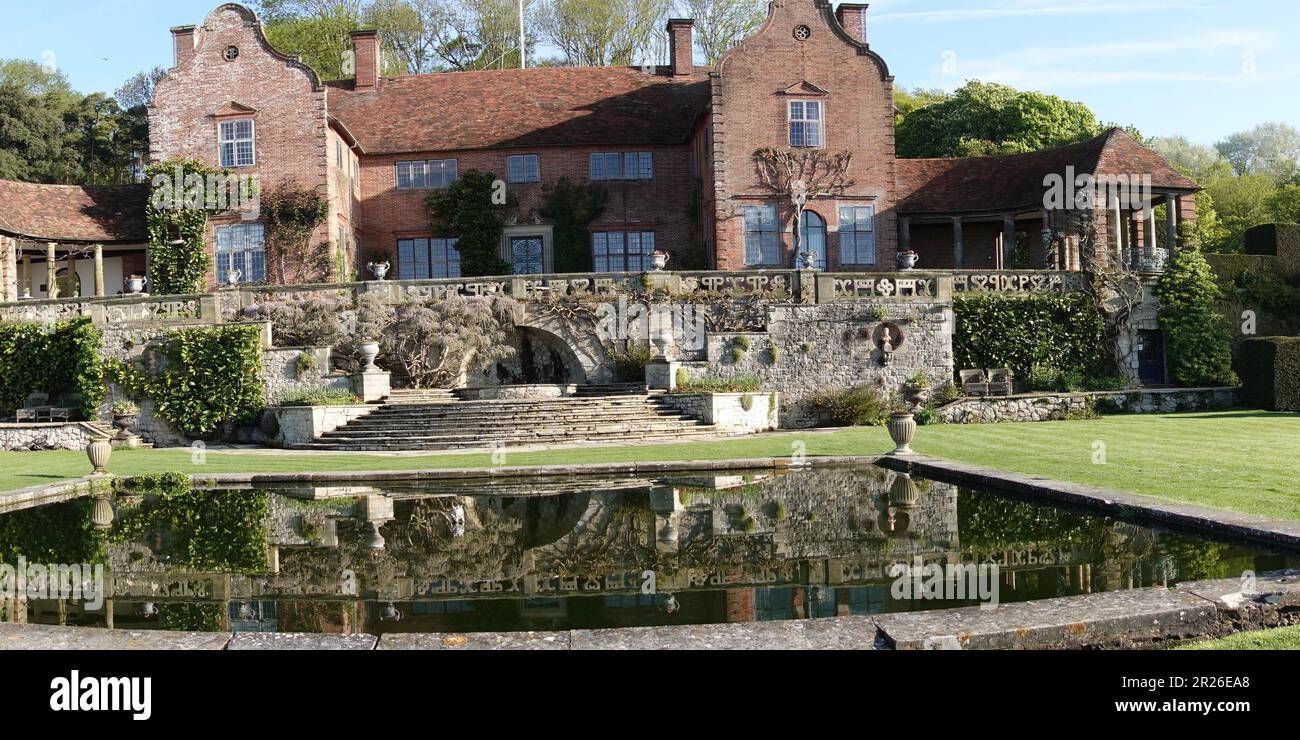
<point>474,210</point>
<point>65,360</point>
<point>1061,331</point>
<point>572,207</point>
<point>177,223</point>
<point>211,377</point>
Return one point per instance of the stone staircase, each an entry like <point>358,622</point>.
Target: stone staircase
<point>604,415</point>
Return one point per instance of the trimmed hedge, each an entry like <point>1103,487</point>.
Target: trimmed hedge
<point>1270,369</point>
<point>1278,240</point>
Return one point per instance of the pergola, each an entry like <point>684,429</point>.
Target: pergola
<point>48,228</point>
<point>973,208</point>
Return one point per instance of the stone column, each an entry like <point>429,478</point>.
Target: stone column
<point>1151,241</point>
<point>72,273</point>
<point>8,270</point>
<point>1008,242</point>
<point>1171,223</point>
<point>1117,214</point>
<point>958,247</point>
<point>904,233</point>
<point>51,272</point>
<point>1055,262</point>
<point>99,271</point>
<point>25,277</point>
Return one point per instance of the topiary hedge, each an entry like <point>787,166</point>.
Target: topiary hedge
<point>1270,371</point>
<point>1061,332</point>
<point>1197,347</point>
<point>63,361</point>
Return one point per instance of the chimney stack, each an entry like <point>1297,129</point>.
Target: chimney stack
<point>183,38</point>
<point>853,19</point>
<point>365,49</point>
<point>681,43</point>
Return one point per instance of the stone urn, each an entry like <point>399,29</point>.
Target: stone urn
<point>233,277</point>
<point>917,394</point>
<point>902,429</point>
<point>660,260</point>
<point>135,285</point>
<point>124,421</point>
<point>907,260</point>
<point>369,350</point>
<point>101,515</point>
<point>663,341</point>
<point>379,270</point>
<point>99,450</point>
<point>376,541</point>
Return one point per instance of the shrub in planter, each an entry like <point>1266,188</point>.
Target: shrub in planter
<point>860,405</point>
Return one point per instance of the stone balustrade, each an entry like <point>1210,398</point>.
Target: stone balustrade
<point>802,287</point>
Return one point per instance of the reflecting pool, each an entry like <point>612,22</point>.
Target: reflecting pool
<point>574,552</point>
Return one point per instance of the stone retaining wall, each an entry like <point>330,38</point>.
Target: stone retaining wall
<point>1059,406</point>
<point>297,425</point>
<point>74,436</point>
<point>727,410</point>
<point>831,346</point>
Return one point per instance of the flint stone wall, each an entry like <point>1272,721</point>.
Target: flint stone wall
<point>1059,406</point>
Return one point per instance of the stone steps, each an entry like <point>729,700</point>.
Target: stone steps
<point>625,416</point>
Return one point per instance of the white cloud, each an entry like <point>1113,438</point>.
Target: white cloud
<point>1031,8</point>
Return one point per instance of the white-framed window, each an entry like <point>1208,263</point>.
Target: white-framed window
<point>622,251</point>
<point>422,259</point>
<point>857,235</point>
<point>523,168</point>
<point>762,236</point>
<point>623,166</point>
<point>806,118</point>
<point>433,173</point>
<point>242,247</point>
<point>236,139</point>
<point>338,153</point>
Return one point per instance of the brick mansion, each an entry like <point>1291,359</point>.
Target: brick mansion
<point>673,146</point>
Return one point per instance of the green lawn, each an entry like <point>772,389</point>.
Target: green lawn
<point>1286,638</point>
<point>1241,460</point>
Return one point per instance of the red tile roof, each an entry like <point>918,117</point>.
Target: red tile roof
<point>982,184</point>
<point>69,213</point>
<point>521,108</point>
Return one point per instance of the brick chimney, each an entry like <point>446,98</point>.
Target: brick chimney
<point>853,18</point>
<point>681,44</point>
<point>183,38</point>
<point>365,47</point>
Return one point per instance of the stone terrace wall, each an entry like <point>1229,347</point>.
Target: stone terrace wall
<point>827,347</point>
<point>73,436</point>
<point>1058,406</point>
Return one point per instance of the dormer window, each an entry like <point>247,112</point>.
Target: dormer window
<point>236,139</point>
<point>806,124</point>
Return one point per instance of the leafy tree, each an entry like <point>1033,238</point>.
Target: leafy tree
<point>721,24</point>
<point>319,31</point>
<point>1197,344</point>
<point>138,90</point>
<point>1194,160</point>
<point>1268,149</point>
<point>599,33</point>
<point>907,102</point>
<point>1240,202</point>
<point>984,119</point>
<point>472,210</point>
<point>1284,204</point>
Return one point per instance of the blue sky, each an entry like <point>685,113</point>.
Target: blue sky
<point>1200,68</point>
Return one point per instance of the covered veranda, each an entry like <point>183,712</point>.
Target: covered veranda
<point>61,241</point>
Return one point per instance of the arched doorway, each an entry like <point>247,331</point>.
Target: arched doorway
<point>812,238</point>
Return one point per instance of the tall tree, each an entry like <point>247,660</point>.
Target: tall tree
<point>1269,148</point>
<point>721,24</point>
<point>319,31</point>
<point>137,91</point>
<point>907,101</point>
<point>984,119</point>
<point>1194,160</point>
<point>598,33</point>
